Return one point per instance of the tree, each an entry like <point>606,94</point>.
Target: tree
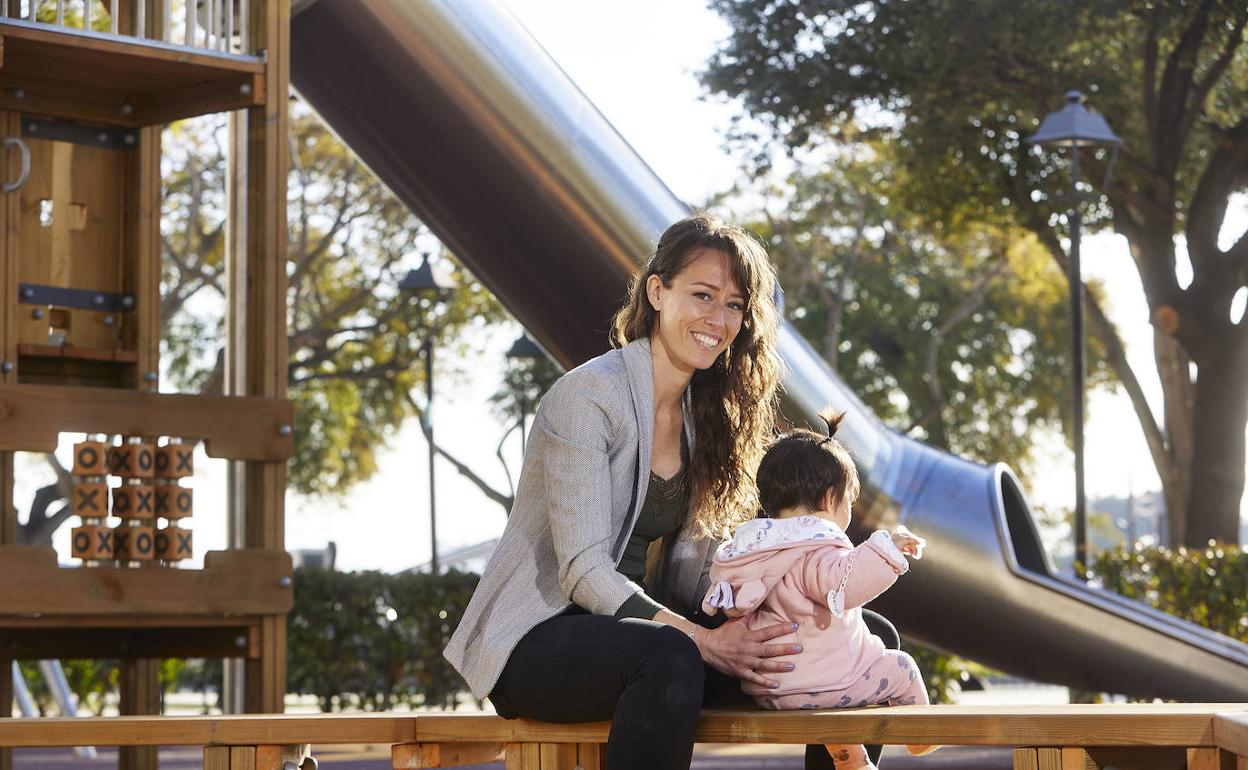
<point>955,336</point>
<point>960,86</point>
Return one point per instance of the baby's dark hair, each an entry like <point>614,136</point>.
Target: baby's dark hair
<point>802,465</point>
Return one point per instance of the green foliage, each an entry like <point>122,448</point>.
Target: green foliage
<point>942,673</point>
<point>1208,586</point>
<point>354,340</point>
<point>957,336</point>
<point>373,641</point>
<point>93,682</point>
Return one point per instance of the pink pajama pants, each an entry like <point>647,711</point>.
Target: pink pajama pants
<point>893,679</point>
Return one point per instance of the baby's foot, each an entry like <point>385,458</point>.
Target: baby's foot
<point>850,757</point>
<point>919,749</point>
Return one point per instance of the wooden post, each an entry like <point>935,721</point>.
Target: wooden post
<point>140,695</point>
<point>9,215</point>
<point>258,321</point>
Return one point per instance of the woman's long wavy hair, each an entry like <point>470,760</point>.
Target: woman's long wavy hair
<point>733,401</point>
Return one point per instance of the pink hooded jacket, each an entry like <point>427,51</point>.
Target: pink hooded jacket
<point>805,570</point>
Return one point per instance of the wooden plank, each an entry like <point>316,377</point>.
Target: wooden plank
<point>243,758</point>
<point>216,758</point>
<point>219,95</point>
<point>1048,758</point>
<point>558,756</point>
<point>1210,759</point>
<point>142,270</point>
<point>276,757</point>
<point>143,58</point>
<point>1182,725</point>
<point>233,427</point>
<point>417,756</point>
<point>522,756</point>
<point>1230,732</point>
<point>1024,759</point>
<point>244,581</point>
<point>592,756</point>
<point>239,730</point>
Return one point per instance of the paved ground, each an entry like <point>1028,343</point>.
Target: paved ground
<point>713,757</point>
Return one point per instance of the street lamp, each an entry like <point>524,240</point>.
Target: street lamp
<point>1075,126</point>
<point>424,280</point>
<point>524,349</point>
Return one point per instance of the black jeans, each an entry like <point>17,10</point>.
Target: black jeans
<point>647,678</point>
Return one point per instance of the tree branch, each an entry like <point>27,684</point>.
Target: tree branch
<point>504,500</point>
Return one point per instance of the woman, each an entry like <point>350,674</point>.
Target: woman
<point>576,617</point>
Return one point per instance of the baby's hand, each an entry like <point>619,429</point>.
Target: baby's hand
<point>909,543</point>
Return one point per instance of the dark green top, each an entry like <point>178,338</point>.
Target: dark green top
<point>662,513</point>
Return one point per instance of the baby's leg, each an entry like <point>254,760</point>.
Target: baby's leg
<point>905,688</point>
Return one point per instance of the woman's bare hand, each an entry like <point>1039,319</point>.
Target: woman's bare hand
<point>737,651</point>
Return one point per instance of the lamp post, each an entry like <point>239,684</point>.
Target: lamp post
<point>1075,126</point>
<point>424,280</point>
<point>524,349</point>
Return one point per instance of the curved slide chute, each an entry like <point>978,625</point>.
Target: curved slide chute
<point>469,121</point>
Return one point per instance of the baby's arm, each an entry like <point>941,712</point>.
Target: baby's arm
<point>871,567</point>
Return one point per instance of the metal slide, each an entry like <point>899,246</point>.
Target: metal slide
<point>455,107</point>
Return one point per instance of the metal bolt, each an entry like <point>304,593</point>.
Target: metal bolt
<point>37,313</point>
<point>240,641</point>
<point>126,109</point>
<point>284,430</point>
<point>102,137</point>
<point>128,139</point>
<point>27,292</point>
<point>127,302</point>
<point>150,376</point>
<point>19,93</point>
<point>245,89</point>
<point>97,300</point>
<point>284,581</point>
<point>6,367</point>
<point>109,320</point>
<point>33,128</point>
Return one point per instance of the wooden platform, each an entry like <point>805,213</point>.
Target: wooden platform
<point>1155,736</point>
<point>103,79</point>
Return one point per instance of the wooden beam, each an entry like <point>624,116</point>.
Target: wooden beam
<point>417,756</point>
<point>1144,724</point>
<point>1230,732</point>
<point>33,416</point>
<point>240,582</point>
<point>1209,759</point>
<point>241,730</point>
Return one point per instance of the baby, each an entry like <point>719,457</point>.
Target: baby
<point>795,564</point>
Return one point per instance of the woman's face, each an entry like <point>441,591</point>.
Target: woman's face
<point>699,314</point>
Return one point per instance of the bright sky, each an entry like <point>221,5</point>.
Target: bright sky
<point>636,60</point>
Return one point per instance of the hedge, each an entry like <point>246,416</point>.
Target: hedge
<point>1208,586</point>
<point>373,641</point>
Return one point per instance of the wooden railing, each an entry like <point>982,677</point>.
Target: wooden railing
<point>212,25</point>
<point>1154,736</point>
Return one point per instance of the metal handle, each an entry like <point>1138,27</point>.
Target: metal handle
<point>13,141</point>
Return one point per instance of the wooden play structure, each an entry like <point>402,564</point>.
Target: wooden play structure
<point>1127,737</point>
<point>85,89</point>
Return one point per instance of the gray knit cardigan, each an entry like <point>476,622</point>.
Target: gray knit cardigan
<point>581,487</point>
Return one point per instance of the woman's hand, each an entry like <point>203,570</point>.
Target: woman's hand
<point>737,651</point>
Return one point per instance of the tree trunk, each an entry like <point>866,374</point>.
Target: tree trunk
<point>1178,405</point>
<point>1217,470</point>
